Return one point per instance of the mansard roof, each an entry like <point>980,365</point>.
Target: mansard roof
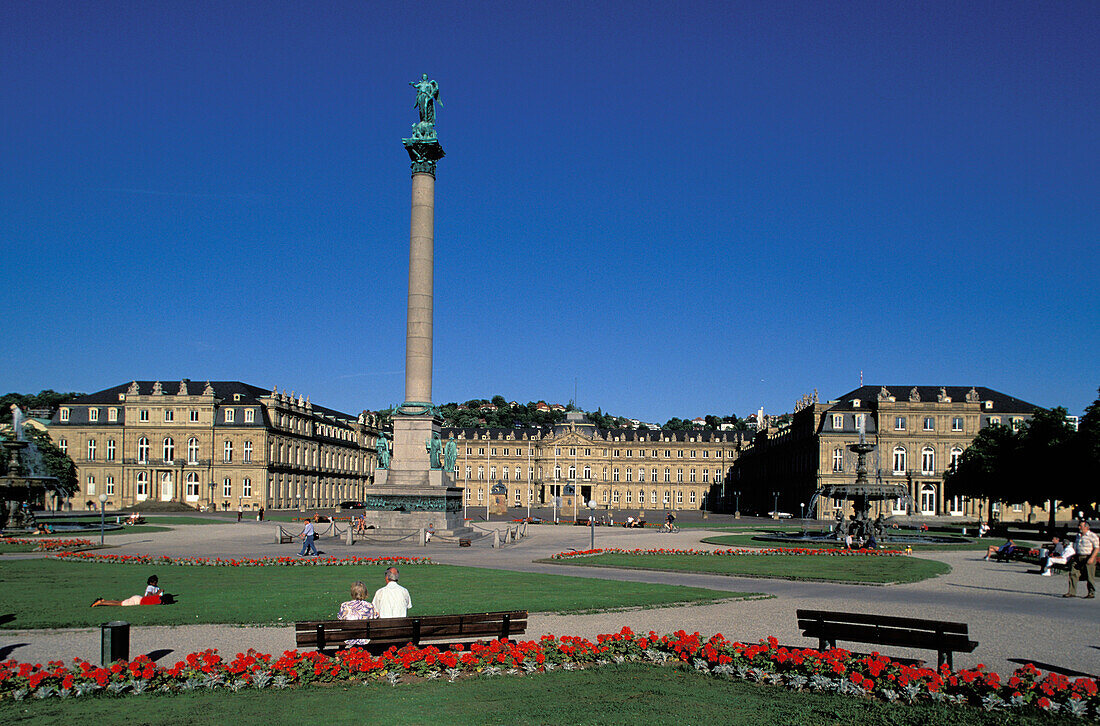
<point>223,391</point>
<point>868,397</point>
<point>589,431</point>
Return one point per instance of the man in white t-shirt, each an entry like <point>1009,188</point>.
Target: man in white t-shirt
<point>391,601</point>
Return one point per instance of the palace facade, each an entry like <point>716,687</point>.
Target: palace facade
<point>575,462</point>
<point>918,431</point>
<point>217,444</point>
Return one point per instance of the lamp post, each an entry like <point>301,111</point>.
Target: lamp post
<point>102,516</point>
<point>775,507</point>
<point>803,506</point>
<point>737,505</point>
<point>592,523</point>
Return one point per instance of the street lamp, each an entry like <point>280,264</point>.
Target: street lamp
<point>775,508</point>
<point>803,505</point>
<point>737,505</point>
<point>102,516</point>
<point>592,523</point>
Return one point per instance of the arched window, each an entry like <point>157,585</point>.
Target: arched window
<point>928,499</point>
<point>899,460</point>
<point>142,488</point>
<point>956,453</point>
<point>169,450</point>
<point>928,460</point>
<point>192,450</point>
<point>641,497</point>
<point>557,472</point>
<point>192,490</point>
<point>587,472</point>
<point>143,450</point>
<point>838,459</point>
<point>641,473</point>
<point>572,472</point>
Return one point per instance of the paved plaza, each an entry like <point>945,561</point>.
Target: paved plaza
<point>1016,615</point>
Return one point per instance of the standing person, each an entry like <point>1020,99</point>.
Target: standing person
<point>307,539</point>
<point>392,601</point>
<point>260,514</point>
<point>1086,549</point>
<point>240,511</point>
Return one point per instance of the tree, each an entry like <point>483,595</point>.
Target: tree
<point>986,468</point>
<point>1085,454</point>
<point>1045,468</point>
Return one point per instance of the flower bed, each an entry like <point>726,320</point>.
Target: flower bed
<point>42,544</point>
<point>729,552</point>
<point>836,670</point>
<point>238,561</point>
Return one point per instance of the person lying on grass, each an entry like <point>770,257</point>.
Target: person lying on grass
<point>153,595</point>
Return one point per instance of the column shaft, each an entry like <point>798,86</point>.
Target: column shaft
<point>418,342</point>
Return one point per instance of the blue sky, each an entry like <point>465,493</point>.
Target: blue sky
<point>680,208</point>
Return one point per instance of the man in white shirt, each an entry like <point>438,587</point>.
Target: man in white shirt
<point>1087,549</point>
<point>1059,554</point>
<point>392,601</point>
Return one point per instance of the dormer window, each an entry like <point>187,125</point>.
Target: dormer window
<point>988,405</point>
<point>64,414</point>
<point>855,403</point>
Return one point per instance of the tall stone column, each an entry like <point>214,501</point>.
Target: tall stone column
<point>418,340</point>
<point>411,489</point>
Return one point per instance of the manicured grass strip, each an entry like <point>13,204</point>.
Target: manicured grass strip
<point>265,595</point>
<point>748,540</point>
<point>795,567</point>
<point>627,694</point>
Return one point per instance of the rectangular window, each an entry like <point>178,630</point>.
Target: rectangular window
<point>899,423</point>
<point>691,497</point>
<point>469,471</point>
<point>64,414</point>
<point>110,449</point>
<point>666,499</point>
<point>112,414</point>
<point>248,452</point>
<point>143,414</point>
<point>994,420</point>
<point>110,485</point>
<point>929,423</point>
<point>227,487</point>
<point>957,423</point>
<point>194,416</point>
<point>246,488</point>
<point>481,495</point>
<point>505,452</point>
<point>480,473</point>
<point>63,445</point>
<point>693,453</point>
<point>229,415</point>
<point>93,414</point>
<point>90,484</point>
<point>838,421</point>
<point>91,449</point>
<point>679,496</point>
<point>250,415</point>
<point>227,452</point>
<point>493,452</point>
<point>629,495</point>
<point>653,497</point>
<point>167,414</point>
<point>492,473</point>
<point>679,475</point>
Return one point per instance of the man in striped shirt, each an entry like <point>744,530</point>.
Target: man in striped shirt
<point>1087,549</point>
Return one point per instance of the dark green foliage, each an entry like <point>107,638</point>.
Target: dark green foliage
<point>48,399</point>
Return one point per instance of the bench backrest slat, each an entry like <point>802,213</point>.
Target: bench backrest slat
<point>321,633</point>
<point>830,617</point>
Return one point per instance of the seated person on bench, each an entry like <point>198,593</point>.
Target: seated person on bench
<point>357,608</point>
<point>1059,554</point>
<point>1004,551</point>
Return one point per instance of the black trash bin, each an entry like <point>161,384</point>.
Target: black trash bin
<point>115,641</point>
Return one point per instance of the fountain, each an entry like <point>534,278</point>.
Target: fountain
<point>861,493</point>
<point>21,486</point>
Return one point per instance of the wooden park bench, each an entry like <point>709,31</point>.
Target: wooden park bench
<point>438,630</point>
<point>943,637</point>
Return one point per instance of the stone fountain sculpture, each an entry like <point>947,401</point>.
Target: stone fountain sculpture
<point>21,486</point>
<point>861,493</point>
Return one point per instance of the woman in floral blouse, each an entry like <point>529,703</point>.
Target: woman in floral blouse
<point>358,608</point>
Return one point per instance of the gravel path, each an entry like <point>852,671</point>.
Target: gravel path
<point>1016,615</point>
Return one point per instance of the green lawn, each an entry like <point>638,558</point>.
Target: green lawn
<point>748,540</point>
<point>794,567</point>
<point>258,595</point>
<point>627,694</point>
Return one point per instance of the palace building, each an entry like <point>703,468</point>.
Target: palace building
<point>575,462</point>
<point>219,444</point>
<point>918,431</point>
